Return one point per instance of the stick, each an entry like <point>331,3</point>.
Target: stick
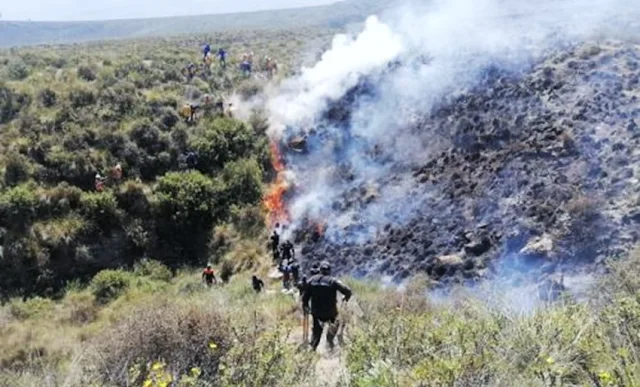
<point>305,328</point>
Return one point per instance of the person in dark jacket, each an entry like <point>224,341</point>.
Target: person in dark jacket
<point>322,290</point>
<point>287,251</point>
<point>257,284</point>
<point>275,243</point>
<point>294,267</point>
<point>302,285</point>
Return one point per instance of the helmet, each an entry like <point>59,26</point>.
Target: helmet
<point>314,269</point>
<point>325,267</point>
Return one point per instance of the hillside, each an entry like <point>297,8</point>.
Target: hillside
<point>549,159</point>
<point>74,111</point>
<point>476,185</point>
<point>13,33</point>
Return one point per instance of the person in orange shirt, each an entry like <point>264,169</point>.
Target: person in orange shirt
<point>209,277</point>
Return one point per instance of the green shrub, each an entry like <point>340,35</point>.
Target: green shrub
<point>133,199</point>
<point>47,97</point>
<point>16,169</point>
<point>249,220</point>
<point>87,73</point>
<point>35,307</point>
<point>18,70</point>
<point>153,270</point>
<point>222,141</point>
<point>243,179</point>
<point>189,198</point>
<point>18,207</point>
<point>10,103</point>
<point>59,201</point>
<point>101,208</point>
<point>267,358</point>
<point>81,98</point>
<point>108,285</point>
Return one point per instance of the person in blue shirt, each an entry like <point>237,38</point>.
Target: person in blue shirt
<point>206,50</point>
<point>222,55</point>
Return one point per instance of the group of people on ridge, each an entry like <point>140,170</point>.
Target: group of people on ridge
<point>284,255</point>
<point>319,292</point>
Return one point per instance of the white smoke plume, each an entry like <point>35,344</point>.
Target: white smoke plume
<point>445,47</point>
<point>340,68</point>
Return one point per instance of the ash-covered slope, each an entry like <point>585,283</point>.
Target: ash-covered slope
<point>431,145</point>
<point>541,171</point>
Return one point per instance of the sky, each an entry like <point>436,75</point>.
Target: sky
<point>68,10</point>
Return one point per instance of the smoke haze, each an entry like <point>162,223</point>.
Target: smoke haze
<point>442,49</point>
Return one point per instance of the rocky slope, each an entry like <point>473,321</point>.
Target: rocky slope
<point>536,173</point>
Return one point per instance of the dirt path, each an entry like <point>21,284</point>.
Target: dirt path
<point>330,366</point>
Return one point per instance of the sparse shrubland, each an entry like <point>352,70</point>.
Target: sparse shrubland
<point>101,288</point>
<point>67,113</point>
<point>153,330</point>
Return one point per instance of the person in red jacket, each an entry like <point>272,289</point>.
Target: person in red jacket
<point>209,277</point>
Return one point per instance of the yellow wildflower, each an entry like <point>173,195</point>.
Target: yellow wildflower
<point>147,383</point>
<point>605,377</point>
<point>550,360</point>
<point>213,345</point>
<point>156,366</point>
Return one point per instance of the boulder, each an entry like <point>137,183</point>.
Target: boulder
<point>450,260</point>
<point>541,246</point>
<point>478,248</point>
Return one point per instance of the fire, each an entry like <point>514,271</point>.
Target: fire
<point>276,157</point>
<point>274,199</point>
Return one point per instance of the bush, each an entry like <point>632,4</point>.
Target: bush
<point>18,70</point>
<point>35,307</point>
<point>108,285</point>
<point>87,73</point>
<point>101,208</point>
<point>187,206</point>
<point>189,198</point>
<point>243,179</point>
<point>153,270</point>
<point>267,358</point>
<point>16,170</point>
<point>81,98</point>
<point>10,103</point>
<point>133,199</point>
<point>18,207</point>
<point>47,97</point>
<point>248,220</point>
<point>182,337</point>
<point>80,308</point>
<point>225,140</point>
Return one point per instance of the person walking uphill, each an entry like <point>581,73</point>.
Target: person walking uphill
<point>209,277</point>
<point>322,290</point>
<point>257,284</point>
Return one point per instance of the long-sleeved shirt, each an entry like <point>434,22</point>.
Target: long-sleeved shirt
<point>322,291</point>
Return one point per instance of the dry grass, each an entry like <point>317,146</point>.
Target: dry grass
<point>409,337</point>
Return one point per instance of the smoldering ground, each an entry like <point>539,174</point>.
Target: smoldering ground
<point>454,129</point>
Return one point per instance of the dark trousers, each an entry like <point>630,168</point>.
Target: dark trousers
<point>318,325</point>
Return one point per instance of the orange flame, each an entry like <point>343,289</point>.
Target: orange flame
<point>276,157</point>
<point>274,199</point>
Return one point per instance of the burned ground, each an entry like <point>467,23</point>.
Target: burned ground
<point>538,173</point>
